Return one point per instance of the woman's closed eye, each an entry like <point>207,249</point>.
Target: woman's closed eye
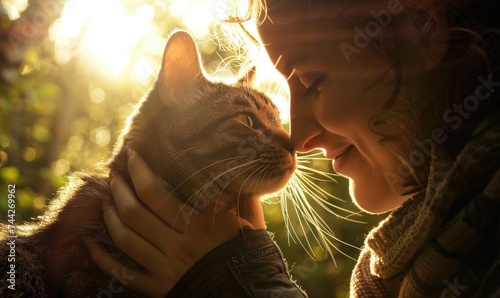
<point>313,82</point>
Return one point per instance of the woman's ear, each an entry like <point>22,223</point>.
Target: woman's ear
<point>428,31</point>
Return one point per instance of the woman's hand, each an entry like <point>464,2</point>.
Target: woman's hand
<point>163,235</point>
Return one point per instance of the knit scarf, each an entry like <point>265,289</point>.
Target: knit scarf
<point>410,253</point>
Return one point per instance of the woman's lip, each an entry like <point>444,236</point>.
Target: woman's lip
<point>340,161</point>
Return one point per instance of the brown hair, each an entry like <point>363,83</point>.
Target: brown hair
<point>472,58</point>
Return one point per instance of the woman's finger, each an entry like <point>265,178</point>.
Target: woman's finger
<point>153,194</point>
<point>135,246</point>
<point>137,216</point>
<point>107,264</point>
<point>133,279</point>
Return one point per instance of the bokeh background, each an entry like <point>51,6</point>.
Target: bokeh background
<point>70,74</point>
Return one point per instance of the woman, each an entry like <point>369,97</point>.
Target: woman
<point>402,96</point>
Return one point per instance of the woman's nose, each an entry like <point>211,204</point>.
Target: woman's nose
<point>305,133</point>
<point>305,130</point>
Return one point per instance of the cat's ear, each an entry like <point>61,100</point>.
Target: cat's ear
<point>249,78</point>
<point>180,69</point>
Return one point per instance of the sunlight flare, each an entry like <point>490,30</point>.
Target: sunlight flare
<point>102,32</point>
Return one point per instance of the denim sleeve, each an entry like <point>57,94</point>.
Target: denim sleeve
<point>249,265</point>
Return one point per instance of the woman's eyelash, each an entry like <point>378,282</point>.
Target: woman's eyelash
<point>314,87</point>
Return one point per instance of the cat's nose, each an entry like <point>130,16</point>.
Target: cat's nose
<point>284,140</point>
<point>288,146</point>
<point>279,138</point>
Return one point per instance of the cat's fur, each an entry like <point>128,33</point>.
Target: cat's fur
<point>211,142</point>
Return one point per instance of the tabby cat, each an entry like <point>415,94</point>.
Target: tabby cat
<point>213,144</point>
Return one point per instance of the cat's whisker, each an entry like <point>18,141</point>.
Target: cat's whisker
<point>315,192</point>
<point>200,192</point>
<point>355,213</point>
<point>197,172</point>
<point>300,173</point>
<point>237,167</point>
<point>326,175</point>
<point>310,154</point>
<point>185,202</point>
<point>299,190</point>
<point>261,173</point>
<point>304,160</point>
<point>318,195</point>
<point>324,232</point>
<point>261,178</point>
<point>212,178</point>
<point>251,166</point>
<point>243,184</point>
<point>197,195</point>
<point>307,159</point>
<point>202,188</point>
<point>300,214</point>
<point>175,156</point>
<point>237,198</point>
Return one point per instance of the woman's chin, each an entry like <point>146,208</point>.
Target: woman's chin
<point>373,199</point>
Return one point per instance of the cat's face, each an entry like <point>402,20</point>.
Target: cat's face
<point>215,144</point>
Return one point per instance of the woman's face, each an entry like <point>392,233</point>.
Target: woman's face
<point>334,93</point>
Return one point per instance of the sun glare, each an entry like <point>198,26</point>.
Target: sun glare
<point>100,32</point>
<point>123,39</point>
<point>13,8</point>
<point>109,36</point>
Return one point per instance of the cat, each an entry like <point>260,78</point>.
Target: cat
<point>213,144</point>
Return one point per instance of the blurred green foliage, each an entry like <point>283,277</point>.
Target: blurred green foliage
<point>62,117</point>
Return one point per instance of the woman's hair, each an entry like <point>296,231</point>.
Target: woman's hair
<point>444,98</point>
<point>471,61</point>
<point>449,98</point>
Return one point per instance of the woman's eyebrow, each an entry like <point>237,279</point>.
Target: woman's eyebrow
<point>288,65</point>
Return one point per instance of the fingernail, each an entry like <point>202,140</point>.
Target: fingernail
<point>130,152</point>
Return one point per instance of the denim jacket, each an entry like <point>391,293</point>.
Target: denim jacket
<point>249,265</point>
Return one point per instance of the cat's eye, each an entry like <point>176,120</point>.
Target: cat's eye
<point>248,121</point>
